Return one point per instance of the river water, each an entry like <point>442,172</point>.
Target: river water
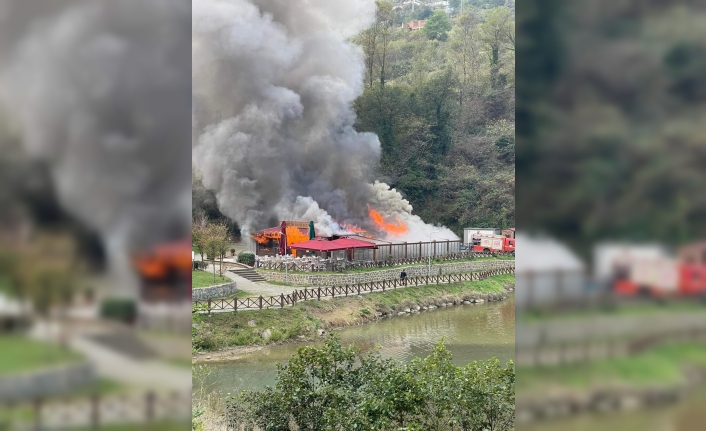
<point>471,332</point>
<point>689,415</point>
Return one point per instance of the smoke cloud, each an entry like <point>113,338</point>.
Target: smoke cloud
<point>273,88</point>
<point>99,90</point>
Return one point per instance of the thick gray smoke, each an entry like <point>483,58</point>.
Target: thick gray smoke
<point>100,90</point>
<point>273,86</point>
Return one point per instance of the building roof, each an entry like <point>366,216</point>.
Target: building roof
<point>541,254</point>
<point>336,244</point>
<point>414,25</point>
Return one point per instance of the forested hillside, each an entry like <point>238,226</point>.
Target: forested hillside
<point>441,100</point>
<point>611,124</point>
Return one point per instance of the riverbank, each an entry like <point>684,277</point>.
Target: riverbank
<point>213,334</point>
<point>661,375</point>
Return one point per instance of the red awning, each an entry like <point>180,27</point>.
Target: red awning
<point>336,244</point>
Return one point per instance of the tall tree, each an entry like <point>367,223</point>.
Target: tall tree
<point>465,53</point>
<point>498,34</point>
<point>383,18</point>
<point>437,26</point>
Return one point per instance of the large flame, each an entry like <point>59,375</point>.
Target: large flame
<point>295,235</point>
<point>395,229</point>
<point>264,237</point>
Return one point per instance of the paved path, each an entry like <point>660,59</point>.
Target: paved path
<point>117,365</point>
<point>259,288</point>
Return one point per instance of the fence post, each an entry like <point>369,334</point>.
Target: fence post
<point>346,290</point>
<point>358,289</point>
<point>281,303</point>
<point>318,295</point>
<point>260,299</point>
<point>149,401</point>
<point>38,414</point>
<point>209,306</point>
<point>235,304</point>
<point>95,411</point>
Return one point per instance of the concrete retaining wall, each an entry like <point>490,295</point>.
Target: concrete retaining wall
<point>219,291</point>
<point>318,279</point>
<point>46,382</point>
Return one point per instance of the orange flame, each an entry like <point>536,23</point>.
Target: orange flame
<point>398,228</point>
<point>294,236</point>
<point>263,238</point>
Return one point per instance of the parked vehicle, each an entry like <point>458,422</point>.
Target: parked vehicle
<point>493,244</point>
<point>642,271</point>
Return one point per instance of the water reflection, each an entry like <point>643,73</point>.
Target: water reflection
<point>690,415</point>
<point>472,332</point>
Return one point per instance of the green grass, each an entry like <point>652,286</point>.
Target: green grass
<point>180,362</point>
<point>18,354</point>
<point>662,365</point>
<point>223,330</point>
<point>621,309</point>
<point>155,426</point>
<point>205,279</point>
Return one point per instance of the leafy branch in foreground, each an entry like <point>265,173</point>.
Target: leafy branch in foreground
<point>339,388</point>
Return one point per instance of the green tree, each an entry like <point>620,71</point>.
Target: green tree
<point>338,388</point>
<point>437,26</point>
<point>498,34</point>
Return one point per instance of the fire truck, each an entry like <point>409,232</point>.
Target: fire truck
<point>660,275</point>
<point>504,243</point>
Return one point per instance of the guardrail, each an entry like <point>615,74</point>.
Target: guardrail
<point>283,300</point>
<point>304,265</point>
<point>96,411</point>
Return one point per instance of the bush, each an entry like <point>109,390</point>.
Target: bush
<point>200,265</point>
<point>334,387</point>
<point>123,310</point>
<point>246,258</point>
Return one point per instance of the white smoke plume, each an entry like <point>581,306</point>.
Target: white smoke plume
<point>100,91</point>
<point>273,87</point>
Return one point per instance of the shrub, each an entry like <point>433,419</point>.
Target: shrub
<point>334,387</point>
<point>123,310</point>
<point>246,258</point>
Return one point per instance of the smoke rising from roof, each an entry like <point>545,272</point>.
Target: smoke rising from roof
<point>273,88</point>
<point>99,90</point>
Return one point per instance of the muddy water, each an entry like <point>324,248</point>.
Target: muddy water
<point>471,332</point>
<point>689,415</point>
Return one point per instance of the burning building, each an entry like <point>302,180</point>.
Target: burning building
<point>273,120</point>
<point>165,272</point>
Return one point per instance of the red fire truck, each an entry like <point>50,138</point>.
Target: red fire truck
<point>662,276</point>
<point>493,244</point>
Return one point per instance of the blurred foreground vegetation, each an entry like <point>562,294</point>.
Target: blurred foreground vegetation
<point>334,387</point>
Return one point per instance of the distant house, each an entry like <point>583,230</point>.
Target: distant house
<point>547,273</point>
<point>414,25</point>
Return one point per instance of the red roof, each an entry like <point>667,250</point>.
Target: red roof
<point>336,244</point>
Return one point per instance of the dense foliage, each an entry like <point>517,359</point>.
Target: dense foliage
<point>246,258</point>
<point>337,388</point>
<point>611,121</point>
<point>441,101</point>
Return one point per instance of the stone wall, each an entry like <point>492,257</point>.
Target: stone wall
<point>319,279</point>
<point>219,291</point>
<point>46,382</point>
